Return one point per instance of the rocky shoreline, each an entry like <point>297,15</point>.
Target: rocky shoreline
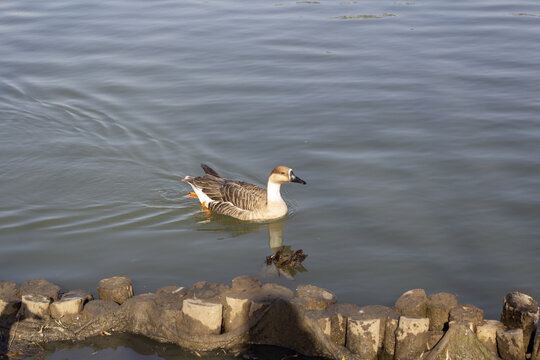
<point>209,316</point>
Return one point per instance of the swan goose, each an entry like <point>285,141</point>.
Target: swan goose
<point>239,199</point>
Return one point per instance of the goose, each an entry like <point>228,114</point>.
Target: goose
<point>239,199</point>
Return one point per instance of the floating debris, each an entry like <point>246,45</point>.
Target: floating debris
<point>524,14</point>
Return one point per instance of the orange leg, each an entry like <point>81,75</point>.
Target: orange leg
<point>192,195</point>
<point>205,208</point>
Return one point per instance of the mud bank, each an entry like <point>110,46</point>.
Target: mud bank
<point>209,316</point>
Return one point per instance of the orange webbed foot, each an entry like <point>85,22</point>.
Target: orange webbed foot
<point>192,195</point>
<point>205,208</point>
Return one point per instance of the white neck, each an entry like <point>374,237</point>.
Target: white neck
<point>272,192</point>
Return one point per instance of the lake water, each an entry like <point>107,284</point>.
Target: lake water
<point>415,124</point>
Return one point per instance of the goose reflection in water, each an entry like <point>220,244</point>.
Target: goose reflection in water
<point>283,261</point>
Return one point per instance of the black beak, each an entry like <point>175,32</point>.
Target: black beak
<point>296,179</point>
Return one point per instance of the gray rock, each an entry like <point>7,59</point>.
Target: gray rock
<point>384,313</point>
<point>438,310</point>
<point>411,338</point>
<point>536,350</point>
<point>40,287</point>
<point>316,298</point>
<point>236,311</point>
<point>412,303</point>
<point>433,338</point>
<point>207,290</point>
<point>35,306</point>
<point>87,296</point>
<point>246,283</point>
<point>202,316</point>
<point>363,337</point>
<point>486,331</point>
<point>9,306</point>
<point>510,344</point>
<point>99,307</point>
<point>467,312</point>
<point>142,314</point>
<point>67,306</point>
<point>459,342</point>
<point>520,311</point>
<point>116,288</point>
<point>8,289</point>
<point>389,344</point>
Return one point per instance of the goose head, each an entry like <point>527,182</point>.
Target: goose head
<point>284,174</point>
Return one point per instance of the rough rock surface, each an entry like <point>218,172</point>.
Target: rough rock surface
<point>438,310</point>
<point>363,337</point>
<point>520,311</point>
<point>459,342</point>
<point>510,344</point>
<point>8,289</point>
<point>411,338</point>
<point>468,313</point>
<point>316,298</point>
<point>486,331</point>
<point>40,287</point>
<point>116,288</point>
<point>412,303</point>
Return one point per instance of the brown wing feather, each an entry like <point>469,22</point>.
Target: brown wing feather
<point>240,194</point>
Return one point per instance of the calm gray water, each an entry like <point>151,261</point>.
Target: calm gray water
<point>415,124</point>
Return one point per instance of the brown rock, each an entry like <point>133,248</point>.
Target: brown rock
<point>40,287</point>
<point>384,313</point>
<point>411,337</point>
<point>202,316</point>
<point>486,331</point>
<point>87,296</point>
<point>536,350</point>
<point>99,307</point>
<point>412,303</point>
<point>510,344</point>
<point>389,344</point>
<point>459,342</point>
<point>236,311</point>
<point>520,311</point>
<point>8,289</point>
<point>363,337</point>
<point>438,310</point>
<point>142,314</point>
<point>316,298</point>
<point>246,283</point>
<point>35,306</point>
<point>116,288</point>
<point>207,290</point>
<point>433,338</point>
<point>9,306</point>
<point>67,306</point>
<point>467,313</point>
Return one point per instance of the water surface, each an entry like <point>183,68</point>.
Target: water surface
<point>415,124</point>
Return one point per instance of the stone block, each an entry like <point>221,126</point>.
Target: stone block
<point>87,296</point>
<point>467,312</point>
<point>411,337</point>
<point>433,338</point>
<point>363,337</point>
<point>8,289</point>
<point>438,310</point>
<point>236,311</point>
<point>246,283</point>
<point>412,303</point>
<point>203,317</point>
<point>116,288</point>
<point>99,307</point>
<point>389,343</point>
<point>510,344</point>
<point>520,311</point>
<point>377,311</point>
<point>338,329</point>
<point>207,290</point>
<point>9,306</point>
<point>35,306</point>
<point>317,298</point>
<point>536,351</point>
<point>142,314</point>
<point>459,342</point>
<point>486,331</point>
<point>66,306</point>
<point>40,287</point>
